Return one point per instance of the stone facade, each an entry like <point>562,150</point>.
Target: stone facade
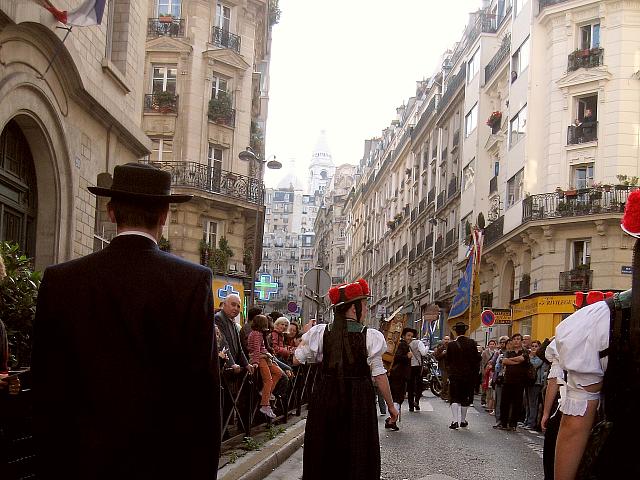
<point>68,124</point>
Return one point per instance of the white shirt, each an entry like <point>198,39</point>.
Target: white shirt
<point>137,232</point>
<point>311,348</point>
<point>418,349</point>
<point>579,340</point>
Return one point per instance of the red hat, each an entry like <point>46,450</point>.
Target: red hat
<point>631,218</point>
<point>584,299</point>
<point>349,292</point>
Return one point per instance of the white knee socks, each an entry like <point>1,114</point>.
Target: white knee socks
<point>455,412</point>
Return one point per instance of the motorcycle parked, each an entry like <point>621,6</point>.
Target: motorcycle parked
<point>431,376</point>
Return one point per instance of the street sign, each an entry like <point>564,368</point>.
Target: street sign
<point>292,307</point>
<point>488,318</point>
<point>626,269</point>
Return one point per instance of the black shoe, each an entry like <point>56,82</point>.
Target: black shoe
<point>453,426</point>
<point>411,409</point>
<point>392,426</point>
<point>464,424</point>
<point>417,407</point>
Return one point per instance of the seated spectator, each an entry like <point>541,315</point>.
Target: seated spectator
<point>282,351</point>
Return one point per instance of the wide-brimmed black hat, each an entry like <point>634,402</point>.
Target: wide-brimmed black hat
<point>460,326</point>
<point>409,329</point>
<point>142,182</point>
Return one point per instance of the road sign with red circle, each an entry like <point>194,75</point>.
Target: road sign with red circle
<point>292,307</point>
<point>488,318</point>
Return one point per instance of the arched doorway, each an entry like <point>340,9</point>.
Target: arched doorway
<point>18,190</point>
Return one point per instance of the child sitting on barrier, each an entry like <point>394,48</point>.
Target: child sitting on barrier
<point>260,357</point>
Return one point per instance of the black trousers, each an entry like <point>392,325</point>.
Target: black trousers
<point>549,450</point>
<point>511,404</point>
<point>414,387</point>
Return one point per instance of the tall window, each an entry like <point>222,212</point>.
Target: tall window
<point>590,36</point>
<point>215,157</point>
<point>520,60</point>
<point>583,176</point>
<point>473,66</point>
<point>518,6</point>
<point>471,120</point>
<point>518,126</point>
<point>581,253</point>
<point>463,226</point>
<point>514,188</point>
<point>161,149</point>
<point>169,7</point>
<point>164,78</point>
<point>211,233</point>
<point>218,84</point>
<point>223,17</point>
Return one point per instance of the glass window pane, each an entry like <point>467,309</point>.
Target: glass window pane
<point>595,42</point>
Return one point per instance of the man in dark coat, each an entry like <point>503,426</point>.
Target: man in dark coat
<point>125,372</point>
<point>463,361</point>
<point>401,369</point>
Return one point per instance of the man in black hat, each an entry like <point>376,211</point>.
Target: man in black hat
<point>463,361</point>
<point>125,371</point>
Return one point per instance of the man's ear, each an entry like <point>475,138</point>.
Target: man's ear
<point>163,216</point>
<point>111,213</point>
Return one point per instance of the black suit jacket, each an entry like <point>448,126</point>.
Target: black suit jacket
<point>125,373</point>
<point>463,358</point>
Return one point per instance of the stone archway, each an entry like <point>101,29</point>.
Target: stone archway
<point>507,285</point>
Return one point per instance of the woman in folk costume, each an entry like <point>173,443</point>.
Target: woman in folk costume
<point>341,436</point>
<point>598,348</point>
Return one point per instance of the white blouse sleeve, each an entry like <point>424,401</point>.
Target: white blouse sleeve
<point>579,340</point>
<point>310,350</point>
<point>551,353</point>
<point>376,346</point>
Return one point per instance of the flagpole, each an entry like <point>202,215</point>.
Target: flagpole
<point>57,51</point>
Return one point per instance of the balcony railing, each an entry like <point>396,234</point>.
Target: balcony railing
<point>586,201</point>
<point>171,27</point>
<point>576,280</point>
<point>493,184</point>
<point>438,247</point>
<point>453,85</point>
<point>213,180</point>
<point>431,196</point>
<point>428,241</point>
<point>163,102</point>
<point>587,58</point>
<point>501,55</point>
<point>493,232</point>
<point>225,39</point>
<point>485,23</point>
<point>453,187</point>
<point>228,119</point>
<point>586,132</point>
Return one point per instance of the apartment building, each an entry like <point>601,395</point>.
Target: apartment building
<point>206,80</point>
<point>524,129</point>
<point>69,113</point>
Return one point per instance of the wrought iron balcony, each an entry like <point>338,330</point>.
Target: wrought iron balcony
<point>431,196</point>
<point>225,39</point>
<point>586,201</point>
<point>493,232</point>
<point>213,180</point>
<point>584,133</point>
<point>501,55</point>
<point>453,85</point>
<point>453,187</point>
<point>228,119</point>
<point>428,241</point>
<point>484,23</point>
<point>493,184</point>
<point>165,27</point>
<point>576,280</point>
<point>587,58</point>
<point>162,102</point>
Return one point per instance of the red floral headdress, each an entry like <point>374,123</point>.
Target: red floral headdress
<point>348,292</point>
<point>631,218</point>
<point>584,299</point>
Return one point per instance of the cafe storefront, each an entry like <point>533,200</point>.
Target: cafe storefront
<point>539,314</point>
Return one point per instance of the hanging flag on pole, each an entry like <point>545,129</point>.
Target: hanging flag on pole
<point>88,13</point>
<point>462,299</point>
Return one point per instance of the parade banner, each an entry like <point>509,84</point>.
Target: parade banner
<point>462,299</point>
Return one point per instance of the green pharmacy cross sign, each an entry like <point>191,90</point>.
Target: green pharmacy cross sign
<point>266,287</point>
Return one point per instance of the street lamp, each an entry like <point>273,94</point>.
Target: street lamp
<point>248,155</point>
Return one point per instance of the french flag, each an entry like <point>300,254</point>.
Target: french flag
<point>89,12</point>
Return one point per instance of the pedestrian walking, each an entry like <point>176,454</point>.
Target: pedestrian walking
<point>463,361</point>
<point>125,366</point>
<point>341,436</point>
<point>401,370</point>
<point>415,387</point>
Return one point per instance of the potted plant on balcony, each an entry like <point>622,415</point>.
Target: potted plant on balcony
<point>220,108</point>
<point>164,101</point>
<point>165,17</point>
<point>219,261</point>
<point>494,121</point>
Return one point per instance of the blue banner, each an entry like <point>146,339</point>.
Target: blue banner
<point>462,299</point>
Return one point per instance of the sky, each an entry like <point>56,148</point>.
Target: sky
<point>344,66</point>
